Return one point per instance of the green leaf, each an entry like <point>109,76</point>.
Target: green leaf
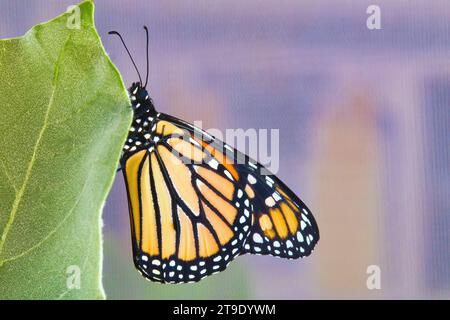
<point>63,121</point>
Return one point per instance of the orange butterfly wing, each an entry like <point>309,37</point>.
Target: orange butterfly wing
<point>282,224</point>
<point>196,203</point>
<point>189,215</point>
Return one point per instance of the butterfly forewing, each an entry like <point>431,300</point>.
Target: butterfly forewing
<point>190,216</point>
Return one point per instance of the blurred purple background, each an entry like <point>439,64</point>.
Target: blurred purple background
<point>364,119</point>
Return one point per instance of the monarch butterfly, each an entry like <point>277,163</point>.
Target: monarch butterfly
<point>196,203</point>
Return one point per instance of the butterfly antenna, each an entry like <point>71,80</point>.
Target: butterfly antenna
<point>129,54</point>
<point>146,77</point>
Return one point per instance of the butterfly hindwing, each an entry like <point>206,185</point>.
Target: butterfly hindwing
<point>282,224</point>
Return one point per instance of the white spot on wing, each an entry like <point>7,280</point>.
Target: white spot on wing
<point>257,238</point>
<point>228,174</point>
<point>306,219</point>
<point>302,225</point>
<point>156,262</point>
<point>276,196</point>
<point>251,164</point>
<point>270,202</point>
<point>213,164</point>
<point>194,142</point>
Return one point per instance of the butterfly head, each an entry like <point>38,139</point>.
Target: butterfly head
<point>140,100</point>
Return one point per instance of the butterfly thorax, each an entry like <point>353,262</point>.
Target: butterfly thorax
<point>141,102</point>
<point>144,117</point>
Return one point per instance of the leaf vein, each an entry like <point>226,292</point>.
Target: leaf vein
<point>21,191</point>
<point>5,170</point>
<point>53,231</point>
